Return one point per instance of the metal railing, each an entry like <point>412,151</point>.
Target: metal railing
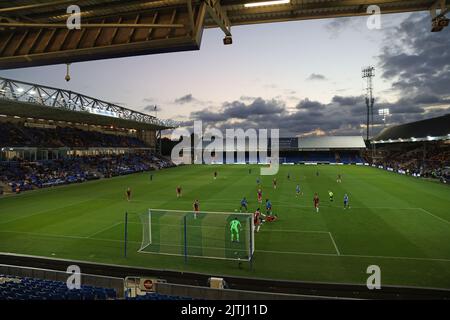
<point>67,100</point>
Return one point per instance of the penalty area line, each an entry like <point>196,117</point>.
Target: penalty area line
<point>334,243</point>
<point>261,251</point>
<point>104,229</point>
<point>435,216</point>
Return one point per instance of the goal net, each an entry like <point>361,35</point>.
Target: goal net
<point>208,235</point>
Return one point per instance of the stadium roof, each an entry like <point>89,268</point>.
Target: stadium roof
<point>327,143</point>
<point>424,130</point>
<point>30,100</point>
<point>34,32</point>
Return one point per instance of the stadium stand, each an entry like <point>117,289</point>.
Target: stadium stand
<point>48,156</point>
<point>419,148</point>
<point>434,127</point>
<point>16,135</point>
<point>331,142</point>
<point>293,150</point>
<point>21,175</point>
<point>333,149</point>
<point>25,288</point>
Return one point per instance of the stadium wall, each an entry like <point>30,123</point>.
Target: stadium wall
<point>179,279</point>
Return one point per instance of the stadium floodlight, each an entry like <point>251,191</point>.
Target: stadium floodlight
<point>383,112</point>
<point>266,3</point>
<point>20,90</point>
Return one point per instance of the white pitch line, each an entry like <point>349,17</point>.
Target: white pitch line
<point>298,253</point>
<point>104,229</point>
<point>394,257</point>
<point>334,243</point>
<point>44,234</point>
<point>352,255</point>
<point>262,251</point>
<point>435,216</point>
<point>279,204</point>
<point>38,234</point>
<point>207,212</point>
<point>189,256</point>
<point>31,215</point>
<point>42,212</point>
<point>295,231</point>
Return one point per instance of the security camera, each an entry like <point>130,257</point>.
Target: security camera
<point>227,40</point>
<point>67,78</point>
<point>439,23</point>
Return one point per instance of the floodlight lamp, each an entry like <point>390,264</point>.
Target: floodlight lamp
<point>266,3</point>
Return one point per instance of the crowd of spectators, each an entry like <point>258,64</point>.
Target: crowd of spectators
<point>431,162</point>
<point>17,135</point>
<point>22,175</point>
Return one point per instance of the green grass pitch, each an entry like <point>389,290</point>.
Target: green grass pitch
<point>400,223</point>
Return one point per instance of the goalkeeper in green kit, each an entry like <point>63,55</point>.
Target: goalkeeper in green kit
<point>235,227</point>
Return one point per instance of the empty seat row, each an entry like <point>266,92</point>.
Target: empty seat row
<point>24,288</point>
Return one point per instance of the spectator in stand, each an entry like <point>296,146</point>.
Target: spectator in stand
<point>25,175</point>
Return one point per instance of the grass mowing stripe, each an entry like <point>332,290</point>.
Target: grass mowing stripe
<point>44,211</point>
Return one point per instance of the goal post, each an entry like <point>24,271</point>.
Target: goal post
<point>205,235</point>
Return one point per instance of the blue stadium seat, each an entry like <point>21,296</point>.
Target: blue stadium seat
<point>16,288</point>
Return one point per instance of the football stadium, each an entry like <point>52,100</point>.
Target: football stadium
<point>102,201</point>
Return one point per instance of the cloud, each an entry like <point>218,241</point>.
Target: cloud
<point>349,100</point>
<point>185,99</point>
<point>270,86</point>
<point>415,61</point>
<point>247,98</point>
<point>241,110</point>
<point>316,77</point>
<point>339,25</point>
<point>343,115</point>
<point>307,104</point>
<point>260,113</point>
